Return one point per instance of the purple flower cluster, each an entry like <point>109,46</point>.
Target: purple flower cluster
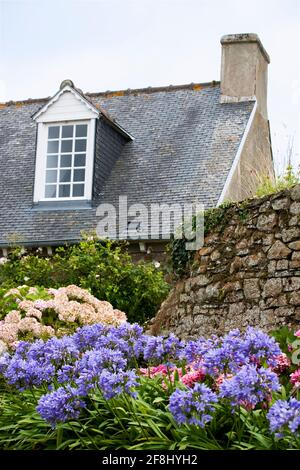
<point>34,364</point>
<point>88,369</point>
<point>115,383</point>
<point>158,348</point>
<point>284,416</point>
<point>109,360</point>
<point>250,386</point>
<point>194,406</point>
<point>228,354</point>
<point>60,405</point>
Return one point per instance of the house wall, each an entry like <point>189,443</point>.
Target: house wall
<point>247,273</point>
<point>154,251</point>
<point>255,162</point>
<point>109,145</point>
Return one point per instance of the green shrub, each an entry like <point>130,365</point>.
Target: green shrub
<point>286,181</point>
<point>102,267</point>
<point>9,300</point>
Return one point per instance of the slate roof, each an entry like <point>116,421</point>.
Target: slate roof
<point>184,145</point>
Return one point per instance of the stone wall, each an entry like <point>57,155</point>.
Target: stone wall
<point>247,273</point>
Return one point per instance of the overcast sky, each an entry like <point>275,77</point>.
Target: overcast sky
<point>119,44</point>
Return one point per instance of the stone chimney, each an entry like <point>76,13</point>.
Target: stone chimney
<point>244,70</point>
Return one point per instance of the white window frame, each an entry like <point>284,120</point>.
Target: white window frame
<point>41,159</point>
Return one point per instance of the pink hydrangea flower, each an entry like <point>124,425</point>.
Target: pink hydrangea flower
<point>297,333</point>
<point>295,378</point>
<point>283,363</point>
<point>71,304</point>
<point>192,377</point>
<point>157,370</point>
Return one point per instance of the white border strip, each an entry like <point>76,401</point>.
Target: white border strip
<point>238,155</point>
<point>54,98</point>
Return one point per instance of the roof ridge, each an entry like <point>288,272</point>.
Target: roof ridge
<point>108,93</point>
<point>131,91</point>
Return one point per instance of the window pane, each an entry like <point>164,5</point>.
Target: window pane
<point>67,131</point>
<point>79,160</point>
<point>51,176</point>
<point>66,146</point>
<point>52,161</point>
<point>81,130</point>
<point>65,176</point>
<point>78,190</point>
<point>50,190</point>
<point>53,132</point>
<point>64,190</point>
<point>79,175</point>
<point>80,145</point>
<point>65,161</point>
<point>52,146</point>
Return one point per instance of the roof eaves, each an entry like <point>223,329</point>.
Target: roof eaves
<point>115,125</point>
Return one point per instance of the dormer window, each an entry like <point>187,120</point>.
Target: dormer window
<point>65,147</point>
<point>66,161</point>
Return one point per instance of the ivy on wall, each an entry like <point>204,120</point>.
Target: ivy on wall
<point>181,259</point>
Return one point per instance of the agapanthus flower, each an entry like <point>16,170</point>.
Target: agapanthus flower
<point>61,405</point>
<point>115,383</point>
<point>160,348</point>
<point>194,351</point>
<point>229,355</point>
<point>284,417</point>
<point>260,347</point>
<point>295,378</point>
<point>127,338</point>
<point>194,406</point>
<point>91,365</point>
<point>86,337</point>
<point>4,362</point>
<point>250,385</point>
<point>25,374</point>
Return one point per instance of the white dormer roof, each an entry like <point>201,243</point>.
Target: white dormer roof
<point>67,104</point>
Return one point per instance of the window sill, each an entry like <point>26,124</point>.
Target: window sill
<point>61,205</point>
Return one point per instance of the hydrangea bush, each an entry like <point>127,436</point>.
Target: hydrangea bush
<point>42,313</point>
<point>116,387</point>
<point>103,267</point>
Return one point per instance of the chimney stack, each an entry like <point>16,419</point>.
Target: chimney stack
<point>244,70</point>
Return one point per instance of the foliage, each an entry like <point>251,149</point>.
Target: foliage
<point>267,185</point>
<point>103,267</point>
<point>117,388</point>
<point>42,313</point>
<point>9,299</point>
<point>181,258</point>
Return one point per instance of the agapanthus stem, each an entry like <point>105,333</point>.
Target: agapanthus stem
<point>136,417</point>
